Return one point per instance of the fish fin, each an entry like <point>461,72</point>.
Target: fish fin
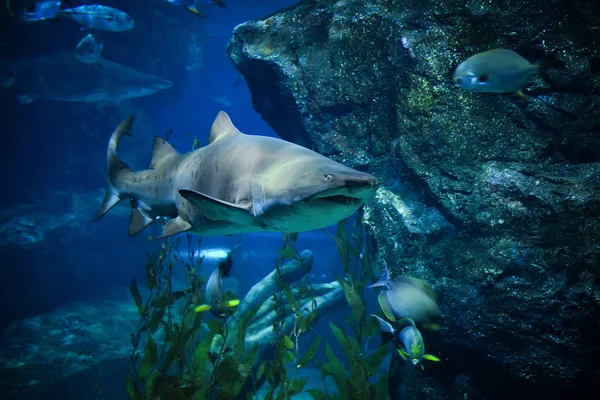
<point>432,327</point>
<point>386,272</point>
<point>385,305</point>
<point>384,279</point>
<point>405,322</point>
<point>222,127</point>
<point>175,226</point>
<point>384,325</point>
<point>138,221</point>
<point>519,93</point>
<point>431,357</point>
<point>403,354</point>
<point>194,10</point>
<point>232,303</point>
<point>116,167</point>
<point>202,308</point>
<point>378,284</point>
<point>419,284</point>
<point>110,200</point>
<point>218,210</point>
<point>161,150</point>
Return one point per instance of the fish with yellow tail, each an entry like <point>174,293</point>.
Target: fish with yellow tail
<point>215,297</point>
<point>409,340</point>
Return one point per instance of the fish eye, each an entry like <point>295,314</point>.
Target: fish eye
<point>458,80</point>
<point>328,177</point>
<point>483,78</point>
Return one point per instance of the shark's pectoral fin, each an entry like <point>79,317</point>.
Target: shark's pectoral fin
<point>175,226</point>
<point>219,210</point>
<point>138,221</point>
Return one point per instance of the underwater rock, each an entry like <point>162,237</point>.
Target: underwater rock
<point>40,350</point>
<point>492,199</point>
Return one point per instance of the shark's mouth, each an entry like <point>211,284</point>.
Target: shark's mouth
<point>341,199</point>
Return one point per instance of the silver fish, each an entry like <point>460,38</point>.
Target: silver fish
<point>496,71</point>
<point>88,50</point>
<point>41,10</point>
<point>61,76</point>
<point>215,296</point>
<point>96,16</point>
<point>407,297</point>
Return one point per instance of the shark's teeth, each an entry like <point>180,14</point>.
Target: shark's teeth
<point>341,199</point>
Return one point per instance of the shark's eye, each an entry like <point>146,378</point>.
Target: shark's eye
<point>328,177</point>
<point>483,78</point>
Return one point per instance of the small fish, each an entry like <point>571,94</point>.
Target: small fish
<point>407,297</point>
<point>215,295</point>
<point>38,11</point>
<point>96,16</point>
<point>192,5</point>
<point>495,71</point>
<point>409,339</point>
<point>88,50</point>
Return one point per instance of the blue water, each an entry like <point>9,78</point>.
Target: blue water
<point>54,165</point>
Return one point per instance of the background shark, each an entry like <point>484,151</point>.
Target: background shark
<point>236,184</point>
<point>62,77</point>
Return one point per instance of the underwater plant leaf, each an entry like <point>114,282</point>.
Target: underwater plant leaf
<point>149,359</point>
<point>372,327</point>
<point>381,388</point>
<point>288,252</point>
<point>295,386</point>
<point>354,300</point>
<point>228,378</point>
<point>260,371</point>
<point>358,382</point>
<point>149,387</point>
<point>317,394</point>
<point>337,372</point>
<point>151,280</point>
<point>287,342</point>
<point>310,353</point>
<point>131,391</point>
<point>289,296</point>
<point>155,320</point>
<point>216,326</point>
<point>201,355</point>
<point>288,356</point>
<point>137,297</point>
<point>375,359</point>
<point>176,348</point>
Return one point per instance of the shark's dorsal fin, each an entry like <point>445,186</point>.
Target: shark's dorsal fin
<point>222,127</point>
<point>161,150</point>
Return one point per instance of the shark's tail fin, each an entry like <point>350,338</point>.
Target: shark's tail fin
<point>116,167</point>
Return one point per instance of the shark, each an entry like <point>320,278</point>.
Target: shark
<point>61,76</point>
<point>237,183</point>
